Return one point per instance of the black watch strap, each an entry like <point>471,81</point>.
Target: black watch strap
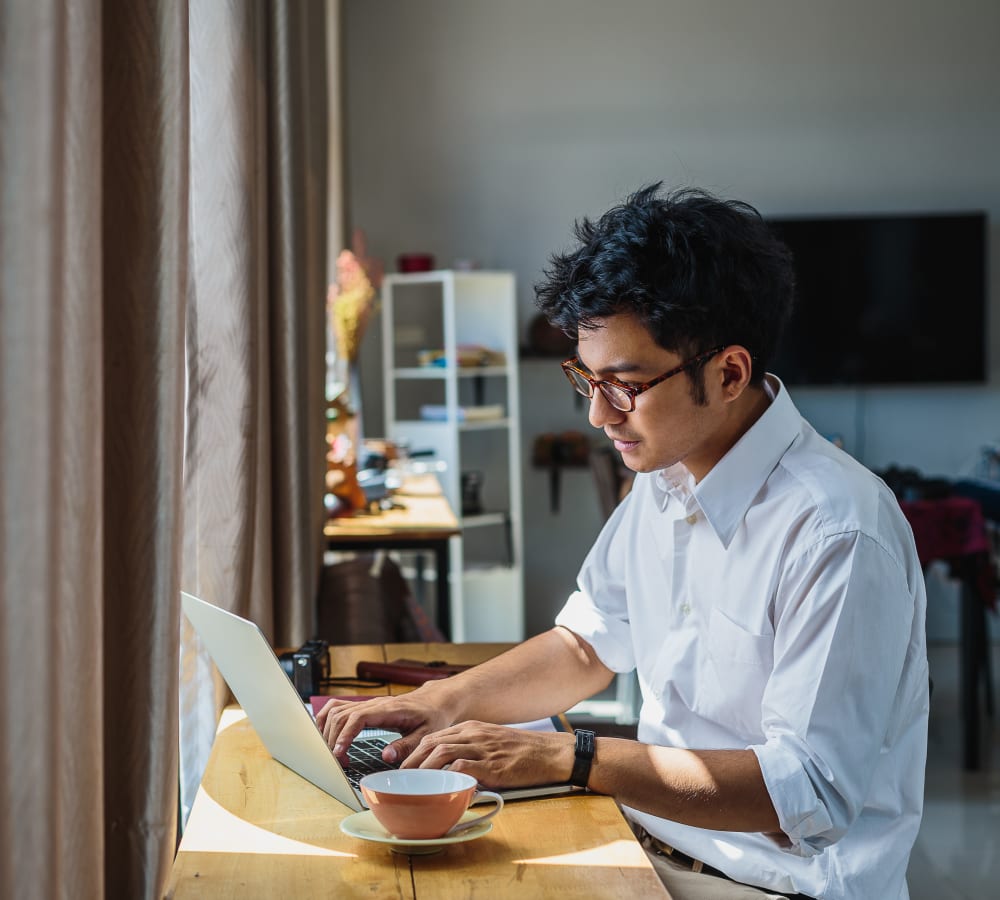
<point>585,743</point>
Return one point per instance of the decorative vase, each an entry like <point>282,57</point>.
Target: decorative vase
<point>343,443</point>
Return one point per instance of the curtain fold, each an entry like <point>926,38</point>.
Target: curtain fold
<point>255,440</point>
<point>145,258</point>
<point>51,444</point>
<point>162,273</point>
<point>298,196</point>
<point>226,558</point>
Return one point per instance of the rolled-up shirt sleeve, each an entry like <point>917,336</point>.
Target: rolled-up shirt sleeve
<point>843,615</point>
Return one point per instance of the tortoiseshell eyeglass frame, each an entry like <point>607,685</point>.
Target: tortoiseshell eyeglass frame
<point>622,396</point>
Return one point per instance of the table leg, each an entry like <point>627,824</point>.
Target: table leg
<point>443,563</point>
<point>985,663</point>
<point>418,577</point>
<point>969,673</point>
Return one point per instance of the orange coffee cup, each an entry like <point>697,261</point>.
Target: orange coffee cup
<point>423,804</point>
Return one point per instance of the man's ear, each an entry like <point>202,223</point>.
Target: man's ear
<point>737,367</point>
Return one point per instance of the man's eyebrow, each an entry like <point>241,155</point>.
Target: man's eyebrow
<point>618,368</point>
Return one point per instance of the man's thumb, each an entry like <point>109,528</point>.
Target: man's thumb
<point>398,750</point>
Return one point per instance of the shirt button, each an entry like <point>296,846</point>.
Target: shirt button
<point>691,519</point>
<point>686,609</point>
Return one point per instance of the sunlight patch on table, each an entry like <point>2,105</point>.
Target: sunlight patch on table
<point>216,830</point>
<point>616,854</point>
<point>230,716</point>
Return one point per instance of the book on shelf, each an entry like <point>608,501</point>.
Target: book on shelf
<point>434,412</point>
<point>466,356</point>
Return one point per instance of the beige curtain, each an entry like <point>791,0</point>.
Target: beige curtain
<point>255,440</point>
<point>154,204</point>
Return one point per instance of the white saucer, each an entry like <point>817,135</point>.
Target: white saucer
<point>364,825</point>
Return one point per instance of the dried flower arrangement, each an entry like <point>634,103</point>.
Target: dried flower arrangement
<point>350,302</point>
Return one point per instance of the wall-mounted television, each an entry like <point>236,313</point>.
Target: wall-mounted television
<point>886,299</point>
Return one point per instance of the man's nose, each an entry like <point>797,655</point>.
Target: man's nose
<point>602,412</point>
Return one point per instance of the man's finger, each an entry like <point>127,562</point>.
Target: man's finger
<point>341,731</point>
<point>327,709</point>
<point>402,749</point>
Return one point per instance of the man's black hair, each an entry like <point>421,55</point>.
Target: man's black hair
<point>697,270</point>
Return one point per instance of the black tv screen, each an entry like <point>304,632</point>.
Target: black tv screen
<point>886,300</point>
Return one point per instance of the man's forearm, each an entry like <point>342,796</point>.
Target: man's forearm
<point>719,789</point>
<point>541,677</point>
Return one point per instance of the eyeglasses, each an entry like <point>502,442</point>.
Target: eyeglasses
<point>622,396</point>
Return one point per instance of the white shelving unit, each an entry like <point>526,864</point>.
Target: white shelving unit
<point>446,311</point>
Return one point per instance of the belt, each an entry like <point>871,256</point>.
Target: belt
<point>662,848</point>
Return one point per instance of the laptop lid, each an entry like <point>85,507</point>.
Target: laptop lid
<point>267,695</point>
<point>277,713</point>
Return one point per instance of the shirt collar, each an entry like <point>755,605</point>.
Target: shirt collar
<point>727,491</point>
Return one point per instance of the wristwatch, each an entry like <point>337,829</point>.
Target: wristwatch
<point>585,742</point>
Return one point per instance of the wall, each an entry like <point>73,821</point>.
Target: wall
<point>481,130</point>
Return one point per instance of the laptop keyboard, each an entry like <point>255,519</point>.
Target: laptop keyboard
<point>364,757</point>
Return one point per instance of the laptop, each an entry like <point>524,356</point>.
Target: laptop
<point>283,722</point>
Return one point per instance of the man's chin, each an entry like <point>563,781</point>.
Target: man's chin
<point>641,464</point>
<point>636,463</point>
<point>633,457</point>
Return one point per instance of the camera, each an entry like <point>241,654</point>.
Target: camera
<point>308,667</point>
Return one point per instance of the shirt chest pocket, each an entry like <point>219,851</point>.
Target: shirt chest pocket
<point>733,672</point>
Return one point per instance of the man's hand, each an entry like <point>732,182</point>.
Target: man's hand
<point>496,756</point>
<point>341,721</point>
<point>546,674</point>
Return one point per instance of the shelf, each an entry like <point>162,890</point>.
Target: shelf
<point>487,570</point>
<point>482,425</point>
<point>439,372</point>
<point>449,312</point>
<point>436,276</point>
<point>481,520</point>
<point>477,412</point>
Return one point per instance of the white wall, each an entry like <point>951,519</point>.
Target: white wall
<point>480,129</point>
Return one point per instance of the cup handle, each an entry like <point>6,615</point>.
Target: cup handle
<point>471,823</point>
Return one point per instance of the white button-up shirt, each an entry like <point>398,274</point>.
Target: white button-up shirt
<point>777,605</point>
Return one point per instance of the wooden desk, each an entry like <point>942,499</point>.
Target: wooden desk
<point>257,830</point>
<point>423,521</point>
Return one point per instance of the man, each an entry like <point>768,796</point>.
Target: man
<point>762,583</point>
